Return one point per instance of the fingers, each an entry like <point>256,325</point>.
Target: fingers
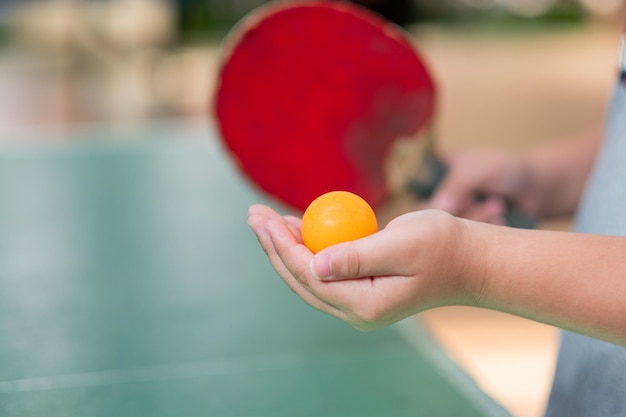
<point>453,195</point>
<point>295,225</point>
<point>489,210</point>
<point>291,255</point>
<point>481,186</point>
<point>279,238</point>
<point>294,259</point>
<point>259,213</point>
<point>258,219</point>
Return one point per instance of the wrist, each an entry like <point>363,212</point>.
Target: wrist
<point>476,242</point>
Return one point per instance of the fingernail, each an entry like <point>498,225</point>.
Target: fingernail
<point>320,266</point>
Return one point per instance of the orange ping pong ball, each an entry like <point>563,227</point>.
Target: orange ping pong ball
<point>335,217</point>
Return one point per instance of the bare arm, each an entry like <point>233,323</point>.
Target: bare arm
<point>570,280</point>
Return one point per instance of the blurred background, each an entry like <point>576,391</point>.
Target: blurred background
<point>511,73</point>
<point>65,63</point>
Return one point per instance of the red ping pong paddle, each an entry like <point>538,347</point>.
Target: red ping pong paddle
<point>312,96</point>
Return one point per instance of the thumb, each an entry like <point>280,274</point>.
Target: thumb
<point>373,255</point>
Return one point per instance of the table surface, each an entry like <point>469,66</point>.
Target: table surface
<point>130,285</point>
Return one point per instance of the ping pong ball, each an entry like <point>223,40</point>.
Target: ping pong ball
<point>335,217</point>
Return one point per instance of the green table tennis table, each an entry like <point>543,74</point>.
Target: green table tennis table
<point>130,285</point>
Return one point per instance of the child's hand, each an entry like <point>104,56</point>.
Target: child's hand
<point>417,262</point>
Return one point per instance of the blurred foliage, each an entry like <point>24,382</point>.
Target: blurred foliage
<point>463,12</point>
<point>4,36</point>
<point>4,31</point>
<point>197,19</point>
<point>563,11</point>
<point>200,20</point>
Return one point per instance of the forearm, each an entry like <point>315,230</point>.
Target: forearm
<point>559,171</point>
<point>570,280</point>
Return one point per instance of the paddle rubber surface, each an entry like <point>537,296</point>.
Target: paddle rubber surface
<point>312,95</point>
